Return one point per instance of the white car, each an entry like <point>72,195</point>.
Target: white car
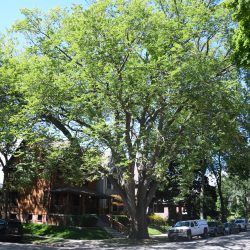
<point>188,229</point>
<point>241,223</point>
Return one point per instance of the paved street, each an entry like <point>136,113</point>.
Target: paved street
<point>230,242</point>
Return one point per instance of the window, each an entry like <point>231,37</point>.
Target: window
<point>116,208</point>
<point>39,217</point>
<point>158,208</point>
<point>12,216</point>
<point>30,216</point>
<point>14,198</point>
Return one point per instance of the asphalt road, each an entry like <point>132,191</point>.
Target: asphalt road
<point>229,242</point>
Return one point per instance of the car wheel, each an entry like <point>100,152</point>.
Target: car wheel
<point>215,233</point>
<point>189,236</point>
<point>171,239</point>
<point>205,234</point>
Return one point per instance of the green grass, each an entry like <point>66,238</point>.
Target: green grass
<point>65,232</point>
<point>154,231</point>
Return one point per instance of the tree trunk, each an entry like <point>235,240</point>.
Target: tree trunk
<point>219,183</point>
<point>139,223</point>
<point>222,205</point>
<point>5,196</point>
<point>203,171</point>
<point>202,201</point>
<point>136,205</point>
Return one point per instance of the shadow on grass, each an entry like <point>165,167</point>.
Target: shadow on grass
<point>63,232</point>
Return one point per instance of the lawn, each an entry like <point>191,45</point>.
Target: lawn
<point>153,231</point>
<point>65,232</point>
<point>53,233</point>
<point>156,230</point>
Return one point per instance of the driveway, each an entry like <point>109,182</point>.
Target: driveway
<point>229,242</point>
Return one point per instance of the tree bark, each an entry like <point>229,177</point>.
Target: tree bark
<point>203,171</point>
<point>218,177</point>
<point>138,219</point>
<point>5,194</point>
<point>137,209</point>
<point>139,224</point>
<point>222,205</point>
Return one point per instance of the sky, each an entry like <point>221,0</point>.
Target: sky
<point>10,9</point>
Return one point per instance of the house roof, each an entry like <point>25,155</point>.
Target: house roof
<point>83,190</point>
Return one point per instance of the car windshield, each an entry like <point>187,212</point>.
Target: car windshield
<point>239,221</point>
<point>182,224</point>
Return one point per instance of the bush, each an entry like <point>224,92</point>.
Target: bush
<point>123,219</point>
<point>88,220</point>
<point>156,220</point>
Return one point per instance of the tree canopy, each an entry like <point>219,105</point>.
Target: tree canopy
<point>241,39</point>
<point>149,83</point>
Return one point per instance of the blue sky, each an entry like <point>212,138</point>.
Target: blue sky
<point>10,9</point>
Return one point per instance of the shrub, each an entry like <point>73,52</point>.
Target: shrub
<point>88,220</point>
<point>123,219</point>
<point>156,220</point>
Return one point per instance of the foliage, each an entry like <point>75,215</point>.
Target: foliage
<point>10,101</point>
<point>241,39</point>
<point>85,220</point>
<point>156,220</point>
<point>123,219</point>
<point>236,192</point>
<point>148,83</point>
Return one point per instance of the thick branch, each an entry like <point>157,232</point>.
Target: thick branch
<point>151,192</point>
<point>58,124</point>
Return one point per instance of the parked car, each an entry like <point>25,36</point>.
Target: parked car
<point>188,229</point>
<point>11,229</point>
<point>241,223</point>
<point>215,228</point>
<point>231,228</point>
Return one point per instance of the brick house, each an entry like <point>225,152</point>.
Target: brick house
<point>51,200</point>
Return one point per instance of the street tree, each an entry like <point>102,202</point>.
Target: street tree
<point>131,78</point>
